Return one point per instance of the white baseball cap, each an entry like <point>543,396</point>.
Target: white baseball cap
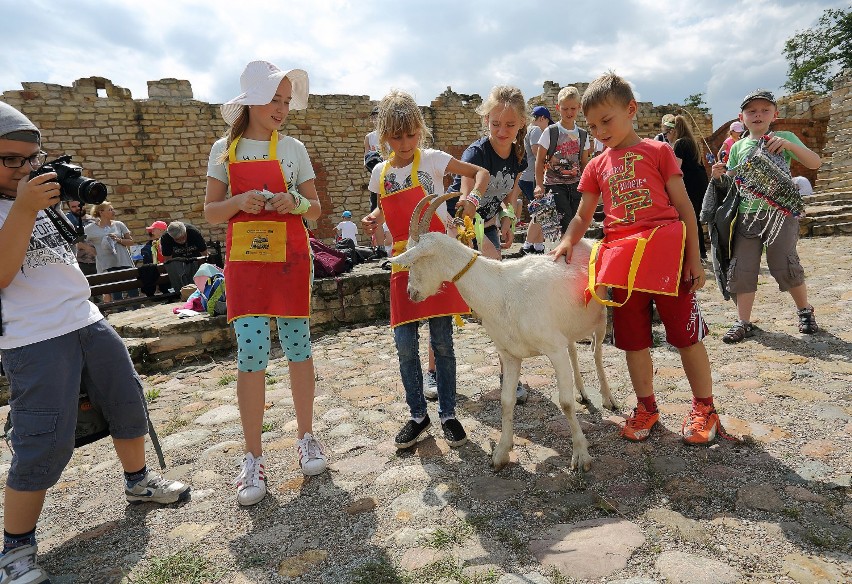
<point>259,81</point>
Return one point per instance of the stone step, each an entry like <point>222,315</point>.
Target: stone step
<point>826,229</point>
<point>827,210</point>
<point>828,197</point>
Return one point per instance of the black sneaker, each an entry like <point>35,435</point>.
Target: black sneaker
<point>454,433</point>
<point>807,321</point>
<point>411,432</point>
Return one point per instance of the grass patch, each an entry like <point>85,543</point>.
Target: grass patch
<point>184,567</point>
<point>172,426</point>
<point>271,378</point>
<point>791,512</point>
<point>267,426</point>
<point>512,540</point>
<point>227,379</point>
<point>152,394</point>
<point>378,572</point>
<point>447,570</point>
<point>556,577</point>
<point>444,539</point>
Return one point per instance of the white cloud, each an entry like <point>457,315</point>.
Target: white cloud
<point>668,49</point>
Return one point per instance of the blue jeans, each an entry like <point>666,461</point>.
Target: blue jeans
<point>407,338</point>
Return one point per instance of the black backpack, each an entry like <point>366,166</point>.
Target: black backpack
<point>91,427</point>
<point>554,138</point>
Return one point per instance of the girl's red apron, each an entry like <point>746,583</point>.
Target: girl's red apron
<point>268,265</point>
<point>397,208</point>
<point>649,261</point>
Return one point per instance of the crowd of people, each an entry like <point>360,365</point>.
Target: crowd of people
<point>261,183</point>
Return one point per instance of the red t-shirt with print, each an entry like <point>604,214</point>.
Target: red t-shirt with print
<point>632,182</point>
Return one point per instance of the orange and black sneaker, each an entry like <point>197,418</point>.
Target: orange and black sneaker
<point>638,426</point>
<point>700,425</point>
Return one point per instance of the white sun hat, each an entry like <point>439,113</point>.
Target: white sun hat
<point>259,81</point>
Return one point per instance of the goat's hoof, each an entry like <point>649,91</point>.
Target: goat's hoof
<point>611,405</point>
<point>581,398</point>
<point>498,461</point>
<point>581,461</point>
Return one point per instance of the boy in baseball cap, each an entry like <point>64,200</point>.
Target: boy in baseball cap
<point>756,227</point>
<point>50,335</point>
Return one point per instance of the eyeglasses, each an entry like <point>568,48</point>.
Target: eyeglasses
<point>36,160</point>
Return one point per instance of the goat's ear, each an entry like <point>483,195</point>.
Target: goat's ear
<point>404,259</point>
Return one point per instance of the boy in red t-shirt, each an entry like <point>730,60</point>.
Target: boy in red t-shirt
<point>642,188</point>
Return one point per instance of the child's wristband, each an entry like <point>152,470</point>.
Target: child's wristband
<point>507,211</point>
<point>474,197</point>
<point>303,204</point>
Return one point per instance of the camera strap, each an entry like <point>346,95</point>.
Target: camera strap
<point>68,232</point>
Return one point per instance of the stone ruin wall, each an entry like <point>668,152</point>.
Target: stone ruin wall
<point>836,172</point>
<point>152,153</point>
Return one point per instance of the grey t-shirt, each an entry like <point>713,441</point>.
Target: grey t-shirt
<point>108,252</point>
<point>532,138</point>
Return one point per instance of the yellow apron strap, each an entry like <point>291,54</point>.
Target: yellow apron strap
<point>273,154</point>
<point>415,166</point>
<point>631,274</point>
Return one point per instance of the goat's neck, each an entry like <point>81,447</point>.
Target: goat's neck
<point>480,285</point>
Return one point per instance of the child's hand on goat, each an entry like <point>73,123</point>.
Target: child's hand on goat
<point>564,248</point>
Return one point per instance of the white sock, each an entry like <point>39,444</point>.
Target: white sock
<point>527,245</point>
<point>419,420</point>
<point>539,246</point>
<point>445,418</point>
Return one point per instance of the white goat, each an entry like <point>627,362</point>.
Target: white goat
<point>529,307</point>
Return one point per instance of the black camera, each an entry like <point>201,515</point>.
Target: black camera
<point>73,186</point>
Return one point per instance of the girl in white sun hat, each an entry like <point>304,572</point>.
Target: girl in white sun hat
<point>261,183</point>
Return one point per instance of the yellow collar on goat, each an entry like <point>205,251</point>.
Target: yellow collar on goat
<point>464,270</point>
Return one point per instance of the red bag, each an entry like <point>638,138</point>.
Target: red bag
<point>327,260</point>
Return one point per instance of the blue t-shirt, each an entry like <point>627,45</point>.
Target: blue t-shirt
<point>503,172</point>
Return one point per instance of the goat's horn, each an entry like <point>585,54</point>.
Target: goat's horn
<point>433,206</point>
<point>414,227</point>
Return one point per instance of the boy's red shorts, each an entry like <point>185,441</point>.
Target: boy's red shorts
<point>681,316</point>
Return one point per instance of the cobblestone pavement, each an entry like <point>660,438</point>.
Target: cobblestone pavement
<point>773,508</point>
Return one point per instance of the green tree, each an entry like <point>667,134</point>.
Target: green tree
<point>696,101</point>
<point>815,55</point>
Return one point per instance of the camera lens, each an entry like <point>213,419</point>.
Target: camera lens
<point>91,192</point>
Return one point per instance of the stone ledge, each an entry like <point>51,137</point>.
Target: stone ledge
<point>158,340</point>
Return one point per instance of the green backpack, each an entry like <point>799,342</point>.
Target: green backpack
<point>213,297</point>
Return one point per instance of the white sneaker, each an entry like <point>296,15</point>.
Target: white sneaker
<point>430,385</point>
<point>311,455</point>
<point>251,482</point>
<point>19,567</point>
<point>157,489</point>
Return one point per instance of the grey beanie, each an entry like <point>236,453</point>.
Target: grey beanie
<point>16,126</point>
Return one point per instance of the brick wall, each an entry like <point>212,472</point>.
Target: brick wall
<point>152,153</point>
<point>836,171</point>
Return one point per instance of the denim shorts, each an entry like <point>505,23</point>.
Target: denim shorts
<point>527,188</point>
<point>44,389</point>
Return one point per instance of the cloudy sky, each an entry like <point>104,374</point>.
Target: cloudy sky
<point>668,49</point>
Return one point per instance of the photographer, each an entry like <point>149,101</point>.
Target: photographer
<point>53,340</point>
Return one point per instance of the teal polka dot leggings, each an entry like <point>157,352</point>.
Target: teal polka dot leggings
<point>253,344</point>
